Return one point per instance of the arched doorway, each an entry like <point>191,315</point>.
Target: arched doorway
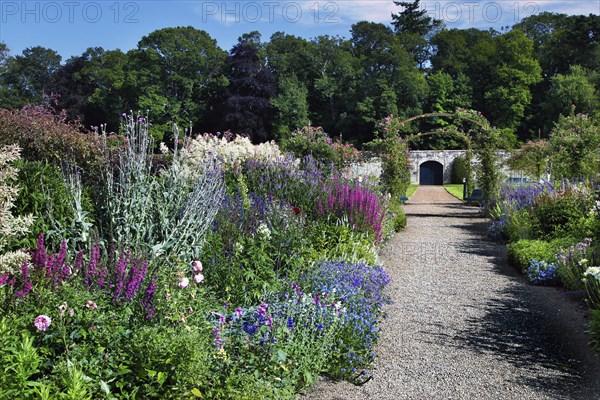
<point>431,173</point>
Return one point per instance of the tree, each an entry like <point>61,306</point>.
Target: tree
<point>532,158</point>
<point>574,89</point>
<point>413,20</point>
<point>175,74</point>
<point>89,87</point>
<point>575,141</point>
<point>292,106</point>
<point>29,75</point>
<point>247,108</point>
<point>413,27</point>
<point>514,71</point>
<point>389,82</point>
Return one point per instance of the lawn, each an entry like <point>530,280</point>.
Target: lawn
<point>411,190</point>
<point>455,190</point>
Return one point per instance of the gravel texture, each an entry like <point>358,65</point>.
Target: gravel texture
<point>463,324</point>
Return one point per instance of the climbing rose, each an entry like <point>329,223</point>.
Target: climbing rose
<point>42,322</point>
<point>198,278</point>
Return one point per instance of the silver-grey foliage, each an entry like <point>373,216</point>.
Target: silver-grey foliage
<point>167,213</point>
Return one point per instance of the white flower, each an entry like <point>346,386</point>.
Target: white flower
<point>583,261</point>
<point>238,247</point>
<point>593,272</point>
<point>163,148</point>
<point>263,230</point>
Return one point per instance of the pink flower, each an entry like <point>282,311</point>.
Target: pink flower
<point>91,304</point>
<point>183,283</point>
<point>197,266</point>
<point>239,312</point>
<point>42,322</point>
<point>198,278</point>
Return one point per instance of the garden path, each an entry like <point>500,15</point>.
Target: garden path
<point>463,324</point>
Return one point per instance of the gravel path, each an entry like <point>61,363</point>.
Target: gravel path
<point>464,325</point>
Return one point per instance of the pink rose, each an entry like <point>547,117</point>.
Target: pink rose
<point>183,283</point>
<point>198,278</point>
<point>197,266</point>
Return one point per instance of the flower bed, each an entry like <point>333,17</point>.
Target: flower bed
<point>227,273</point>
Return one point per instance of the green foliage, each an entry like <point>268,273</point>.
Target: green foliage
<point>310,141</point>
<point>176,74</point>
<point>21,362</point>
<point>395,215</point>
<point>393,150</point>
<point>336,240</point>
<point>594,330</point>
<point>521,252</point>
<point>292,106</point>
<point>460,170</point>
<point>49,200</point>
<point>532,158</point>
<point>575,89</point>
<point>574,143</point>
<point>567,213</point>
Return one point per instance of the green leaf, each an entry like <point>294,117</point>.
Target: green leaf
<point>104,386</point>
<point>161,378</point>
<point>281,355</point>
<point>197,393</point>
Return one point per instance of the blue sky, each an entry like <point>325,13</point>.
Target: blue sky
<point>71,26</point>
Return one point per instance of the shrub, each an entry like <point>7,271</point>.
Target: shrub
<point>460,169</point>
<point>595,329</point>
<point>574,142</point>
<point>522,252</point>
<point>314,142</point>
<point>45,195</point>
<point>562,212</point>
<point>45,136</point>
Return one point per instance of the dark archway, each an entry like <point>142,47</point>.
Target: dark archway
<point>431,173</point>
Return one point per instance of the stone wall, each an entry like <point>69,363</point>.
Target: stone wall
<point>372,168</point>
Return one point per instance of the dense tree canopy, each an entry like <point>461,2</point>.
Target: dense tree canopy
<point>522,79</point>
